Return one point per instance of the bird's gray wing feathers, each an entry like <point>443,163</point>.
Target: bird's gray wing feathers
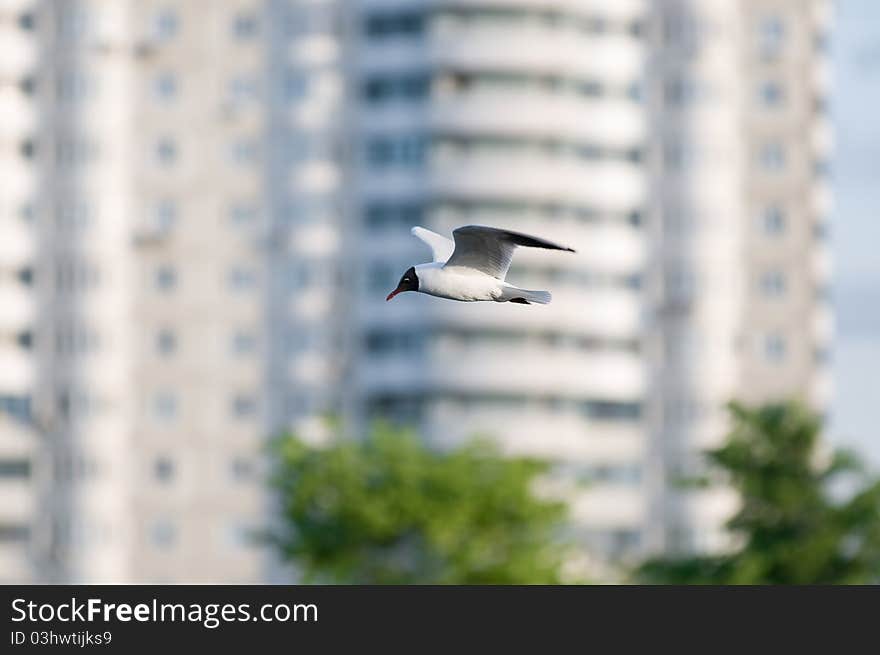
<point>490,249</point>
<point>441,246</point>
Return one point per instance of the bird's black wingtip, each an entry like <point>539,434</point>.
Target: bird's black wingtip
<point>570,250</point>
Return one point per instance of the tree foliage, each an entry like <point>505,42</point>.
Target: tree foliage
<point>803,519</point>
<point>387,509</point>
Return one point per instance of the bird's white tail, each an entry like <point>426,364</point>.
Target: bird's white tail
<point>526,296</point>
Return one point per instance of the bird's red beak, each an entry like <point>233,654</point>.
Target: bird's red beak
<point>392,294</point>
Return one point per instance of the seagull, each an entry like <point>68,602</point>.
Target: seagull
<point>473,267</point>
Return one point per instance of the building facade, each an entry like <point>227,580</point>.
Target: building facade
<point>207,203</point>
<point>737,305</point>
<point>19,445</point>
<point>455,126</point>
<point>150,267</point>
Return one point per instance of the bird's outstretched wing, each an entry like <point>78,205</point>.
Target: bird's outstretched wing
<point>441,246</point>
<point>490,249</point>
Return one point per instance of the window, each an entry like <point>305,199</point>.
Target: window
<point>244,406</point>
<point>27,22</point>
<point>16,407</point>
<point>771,94</point>
<point>165,406</point>
<point>681,30</point>
<point>75,274</point>
<point>406,150</point>
<point>63,402</point>
<point>772,157</point>
<point>242,279</point>
<point>165,86</point>
<point>774,348</point>
<point>163,469</point>
<point>608,410</point>
<point>773,221</point>
<point>380,276</point>
<point>166,342</point>
<point>26,275</point>
<point>680,91</point>
<point>245,26</point>
<point>71,215</point>
<point>243,213</point>
<point>73,22</point>
<point>166,278</point>
<point>241,469</point>
<point>15,468</point>
<point>74,152</point>
<point>238,535</point>
<point>390,25</point>
<point>244,343</point>
<point>392,215</point>
<point>771,36</point>
<point>28,85</point>
<point>244,151</point>
<point>166,151</point>
<point>297,148</point>
<point>244,89</point>
<point>678,155</point>
<point>311,208</point>
<point>620,473</point>
<point>773,284</point>
<point>315,147</point>
<point>28,149</point>
<point>14,532</point>
<point>72,339</point>
<point>679,283</point>
<point>74,86</point>
<point>625,540</point>
<point>313,18</point>
<point>166,215</point>
<point>296,85</point>
<point>163,533</point>
<point>26,212</point>
<point>166,25</point>
<point>298,341</point>
<point>298,275</point>
<point>406,87</point>
<point>25,339</point>
<point>381,343</point>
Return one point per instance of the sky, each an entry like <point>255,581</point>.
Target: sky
<point>855,109</point>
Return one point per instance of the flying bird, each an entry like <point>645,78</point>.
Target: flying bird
<point>473,267</point>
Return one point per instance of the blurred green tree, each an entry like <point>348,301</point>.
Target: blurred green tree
<point>387,509</point>
<point>803,518</point>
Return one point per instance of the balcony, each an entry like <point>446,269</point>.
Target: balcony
<point>533,371</point>
<point>540,51</point>
<point>559,435</point>
<point>605,122</point>
<point>606,185</point>
<point>601,312</point>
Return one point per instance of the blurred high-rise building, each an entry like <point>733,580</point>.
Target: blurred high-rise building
<point>738,272</point>
<point>207,203</point>
<point>19,447</point>
<point>526,116</point>
<point>145,139</point>
<point>681,147</point>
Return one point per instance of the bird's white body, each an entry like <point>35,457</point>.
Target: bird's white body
<point>473,267</point>
<point>458,283</point>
